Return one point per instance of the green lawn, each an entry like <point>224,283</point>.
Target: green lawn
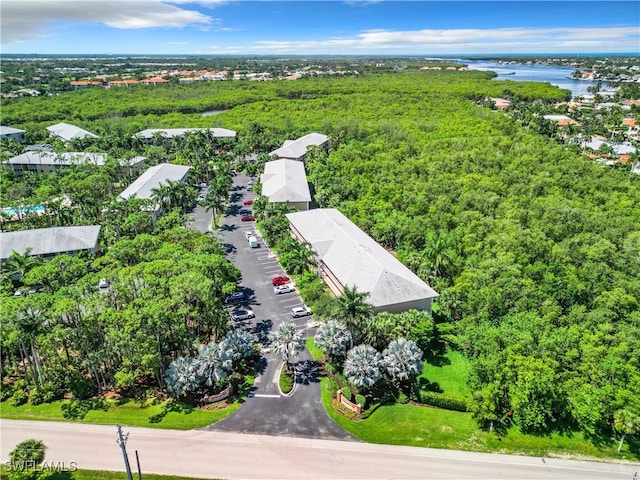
<point>451,376</point>
<point>106,475</point>
<point>156,414</point>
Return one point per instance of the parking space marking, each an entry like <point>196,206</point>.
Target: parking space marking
<point>266,257</point>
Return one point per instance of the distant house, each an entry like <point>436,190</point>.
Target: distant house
<point>36,161</point>
<point>15,134</point>
<point>45,161</point>
<point>169,134</point>
<point>84,84</point>
<point>151,179</point>
<point>122,83</point>
<point>501,103</point>
<point>297,149</point>
<point>154,81</point>
<point>348,257</point>
<point>48,242</point>
<point>561,120</point>
<point>284,181</point>
<point>67,132</point>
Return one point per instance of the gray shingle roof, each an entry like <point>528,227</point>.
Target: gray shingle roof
<point>44,241</point>
<point>296,149</point>
<point>358,260</point>
<point>285,181</point>
<point>143,186</point>
<point>37,157</point>
<point>68,132</point>
<point>178,132</point>
<point>9,130</point>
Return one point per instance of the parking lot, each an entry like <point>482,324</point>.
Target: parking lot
<point>266,410</point>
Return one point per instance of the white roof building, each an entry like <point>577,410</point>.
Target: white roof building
<point>144,185</point>
<point>10,132</point>
<point>297,149</point>
<point>41,157</point>
<point>285,180</point>
<point>67,132</point>
<point>347,256</point>
<point>50,241</point>
<point>149,133</point>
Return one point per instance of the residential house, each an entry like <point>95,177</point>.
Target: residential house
<point>39,161</point>
<point>348,257</point>
<point>297,149</point>
<point>67,132</point>
<point>284,181</point>
<point>9,133</point>
<point>143,187</point>
<point>169,134</point>
<point>561,120</point>
<point>48,242</point>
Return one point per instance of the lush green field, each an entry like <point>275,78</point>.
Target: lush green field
<point>155,414</point>
<point>450,376</point>
<point>436,428</point>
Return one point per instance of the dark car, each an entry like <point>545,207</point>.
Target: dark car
<point>247,217</point>
<point>234,297</point>
<point>248,202</point>
<point>280,281</point>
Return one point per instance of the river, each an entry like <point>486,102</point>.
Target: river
<point>534,73</point>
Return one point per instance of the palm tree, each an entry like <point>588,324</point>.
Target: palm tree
<point>237,344</point>
<point>627,423</point>
<point>299,260</point>
<point>17,265</point>
<point>181,376</point>
<point>214,203</point>
<point>334,339</point>
<point>212,363</point>
<point>353,308</point>
<point>403,360</point>
<point>287,342</point>
<point>437,254</point>
<point>363,366</point>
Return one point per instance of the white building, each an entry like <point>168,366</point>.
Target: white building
<point>9,133</point>
<point>169,134</point>
<point>67,132</point>
<point>151,179</point>
<point>44,161</point>
<point>348,257</point>
<point>48,242</point>
<point>297,149</point>
<point>284,181</point>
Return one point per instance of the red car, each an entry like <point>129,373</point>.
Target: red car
<point>248,202</point>
<point>247,218</point>
<point>280,281</point>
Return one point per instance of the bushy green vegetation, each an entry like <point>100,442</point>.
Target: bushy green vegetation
<point>169,414</point>
<point>535,251</point>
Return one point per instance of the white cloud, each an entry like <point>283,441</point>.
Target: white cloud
<point>464,41</point>
<point>23,20</point>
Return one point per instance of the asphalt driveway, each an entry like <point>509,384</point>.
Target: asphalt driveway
<point>267,411</point>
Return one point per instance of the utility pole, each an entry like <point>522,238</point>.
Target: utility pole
<point>122,441</point>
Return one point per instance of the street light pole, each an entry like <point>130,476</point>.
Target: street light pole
<point>122,441</point>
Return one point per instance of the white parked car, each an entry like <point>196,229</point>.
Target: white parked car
<point>103,283</point>
<point>242,314</point>
<point>302,311</point>
<point>248,234</point>
<point>284,289</point>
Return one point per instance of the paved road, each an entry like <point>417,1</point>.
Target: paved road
<point>206,454</point>
<point>266,411</point>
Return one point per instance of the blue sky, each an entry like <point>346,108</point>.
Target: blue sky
<point>213,27</point>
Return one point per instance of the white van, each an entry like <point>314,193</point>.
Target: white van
<point>253,242</point>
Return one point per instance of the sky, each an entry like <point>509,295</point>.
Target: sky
<point>353,27</point>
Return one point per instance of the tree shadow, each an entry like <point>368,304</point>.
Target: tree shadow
<point>77,409</point>
<point>425,384</point>
<point>228,227</point>
<point>261,331</point>
<point>307,372</point>
<point>436,354</point>
<point>172,406</point>
<point>229,248</point>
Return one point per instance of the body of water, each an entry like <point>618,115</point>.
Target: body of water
<point>534,73</point>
